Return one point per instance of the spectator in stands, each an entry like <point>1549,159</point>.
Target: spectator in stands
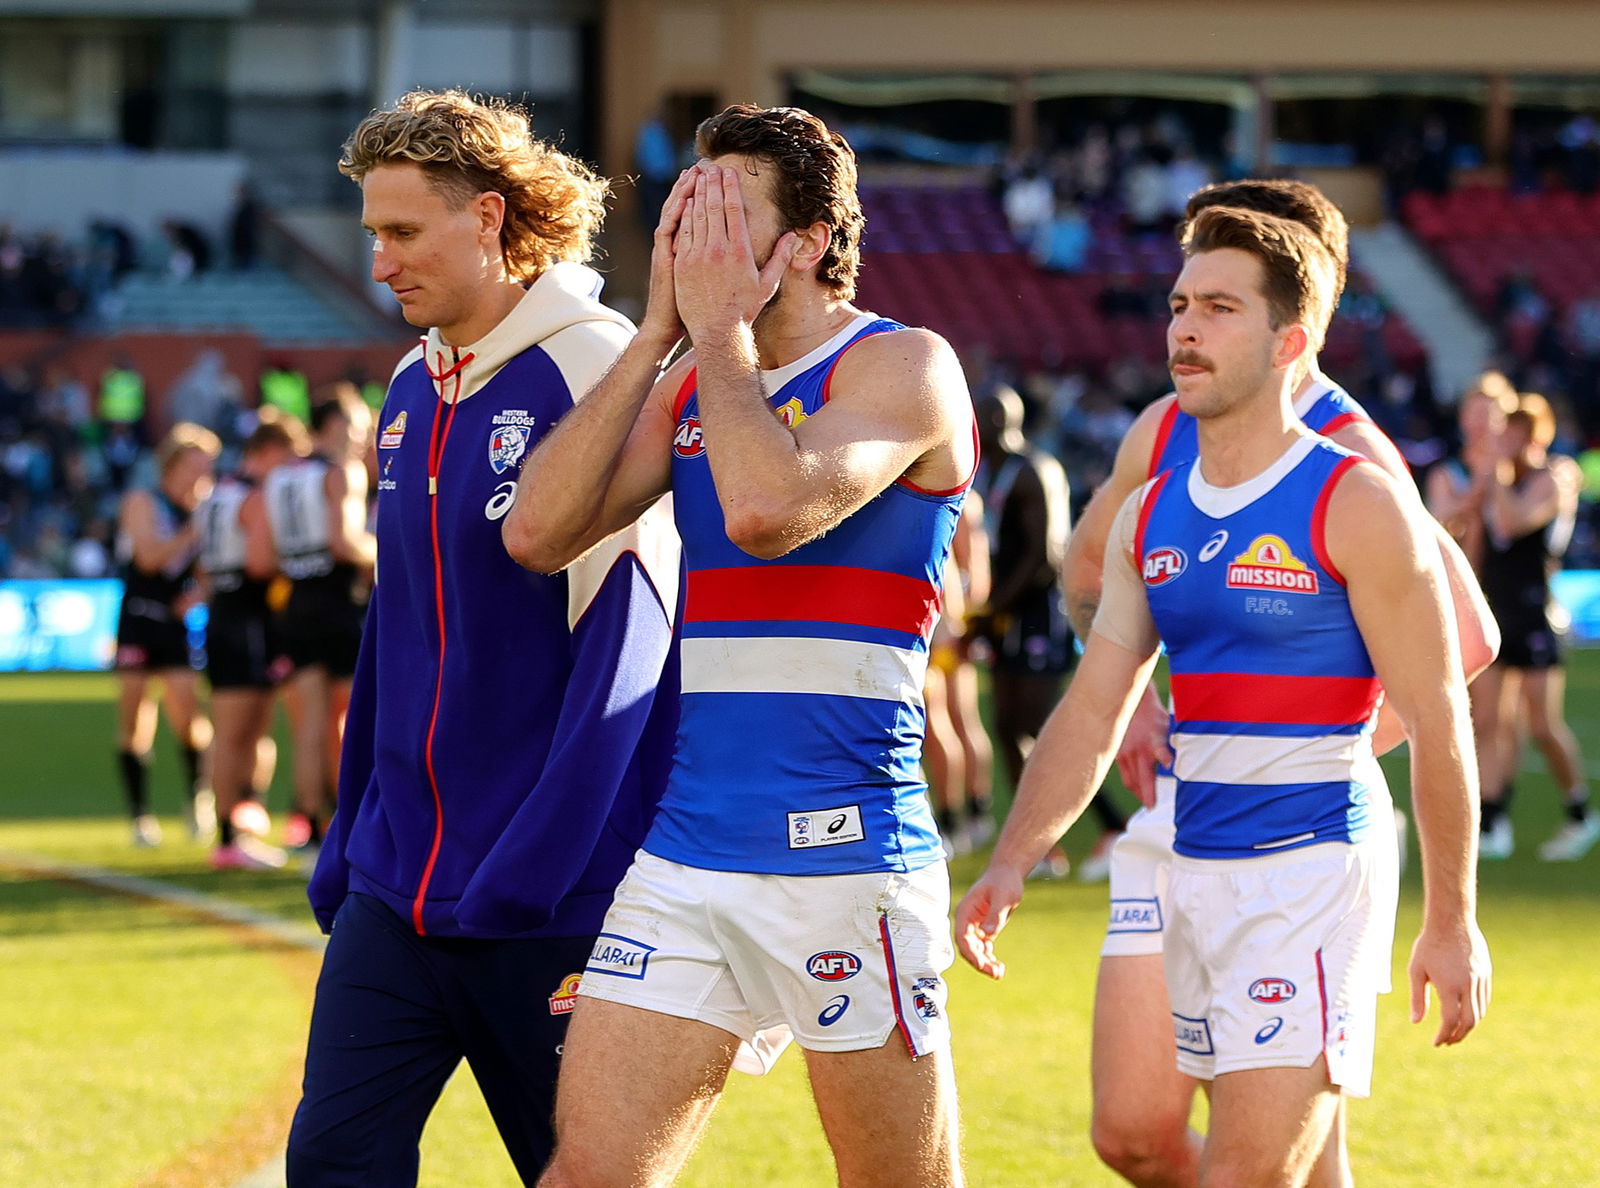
<point>244,228</point>
<point>655,157</point>
<point>1061,244</point>
<point>284,387</point>
<point>1435,156</point>
<point>189,252</point>
<point>1145,193</point>
<point>1583,342</point>
<point>206,393</point>
<point>1029,202</point>
<point>1185,175</point>
<point>1581,140</point>
<point>1123,297</point>
<point>122,398</point>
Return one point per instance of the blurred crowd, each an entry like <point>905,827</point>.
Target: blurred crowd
<point>68,451</point>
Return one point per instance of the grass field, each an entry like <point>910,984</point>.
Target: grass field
<point>147,1046</point>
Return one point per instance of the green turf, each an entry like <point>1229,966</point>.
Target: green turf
<point>130,1033</point>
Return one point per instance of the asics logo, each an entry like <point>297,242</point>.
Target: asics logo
<point>1213,546</point>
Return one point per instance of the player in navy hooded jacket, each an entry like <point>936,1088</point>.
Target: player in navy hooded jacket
<point>509,732</point>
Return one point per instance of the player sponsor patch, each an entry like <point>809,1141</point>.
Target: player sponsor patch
<point>1271,990</point>
<point>834,1011</point>
<point>1271,1029</point>
<point>393,433</point>
<point>792,413</point>
<point>1269,564</point>
<point>833,965</point>
<point>689,441</point>
<point>826,827</point>
<point>619,957</point>
<point>1135,915</point>
<point>1192,1035</point>
<point>1163,564</point>
<point>566,995</point>
<point>507,444</point>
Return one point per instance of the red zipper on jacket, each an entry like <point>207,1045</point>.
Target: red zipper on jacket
<point>436,442</point>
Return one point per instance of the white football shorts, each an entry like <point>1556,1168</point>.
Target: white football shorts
<point>1141,860</point>
<point>838,962</point>
<point>1274,961</point>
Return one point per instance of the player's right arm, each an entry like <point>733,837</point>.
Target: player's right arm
<point>1144,746</point>
<point>260,551</point>
<point>609,459</point>
<point>1069,760</point>
<point>344,491</point>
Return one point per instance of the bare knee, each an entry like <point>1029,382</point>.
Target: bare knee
<point>1144,1147</point>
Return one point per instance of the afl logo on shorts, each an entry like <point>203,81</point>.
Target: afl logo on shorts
<point>833,966</point>
<point>1162,565</point>
<point>689,442</point>
<point>1271,990</point>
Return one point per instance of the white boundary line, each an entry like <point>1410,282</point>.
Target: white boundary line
<point>270,1174</point>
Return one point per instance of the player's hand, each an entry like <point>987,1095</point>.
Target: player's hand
<point>661,320</point>
<point>1144,747</point>
<point>982,913</point>
<point>1454,960</point>
<point>716,279</point>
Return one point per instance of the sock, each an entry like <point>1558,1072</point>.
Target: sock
<point>191,764</point>
<point>135,771</point>
<point>1111,818</point>
<point>1578,804</point>
<point>225,831</point>
<point>947,822</point>
<point>978,807</point>
<point>316,829</point>
<point>1491,811</point>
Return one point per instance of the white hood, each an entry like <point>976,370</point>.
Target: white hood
<point>565,295</point>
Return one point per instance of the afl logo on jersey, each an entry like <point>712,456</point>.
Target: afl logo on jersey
<point>1162,565</point>
<point>1269,564</point>
<point>507,443</point>
<point>1271,990</point>
<point>689,442</point>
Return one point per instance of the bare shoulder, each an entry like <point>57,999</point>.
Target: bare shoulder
<point>913,363</point>
<point>1371,517</point>
<point>138,506</point>
<point>1361,436</point>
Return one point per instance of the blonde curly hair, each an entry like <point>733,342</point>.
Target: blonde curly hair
<point>555,204</point>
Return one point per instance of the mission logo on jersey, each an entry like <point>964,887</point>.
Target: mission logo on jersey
<point>1269,564</point>
<point>393,433</point>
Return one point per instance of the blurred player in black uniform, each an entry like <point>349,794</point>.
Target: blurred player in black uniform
<point>244,658</point>
<point>1029,511</point>
<point>157,541</point>
<point>1530,503</point>
<point>318,512</point>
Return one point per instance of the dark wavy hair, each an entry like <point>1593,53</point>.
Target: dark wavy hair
<point>1298,273</point>
<point>466,146</point>
<point>814,182</point>
<point>1284,198</point>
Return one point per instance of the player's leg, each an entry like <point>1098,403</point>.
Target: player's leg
<point>1494,732</point>
<point>1332,1169</point>
<point>338,707</point>
<point>306,694</point>
<point>136,732</point>
<point>380,1050</point>
<point>234,715</point>
<point>1544,692</point>
<point>891,1121</point>
<point>637,1088</point>
<point>943,763</point>
<point>192,729</point>
<point>1269,1126</point>
<point>1141,1101</point>
<point>961,695</point>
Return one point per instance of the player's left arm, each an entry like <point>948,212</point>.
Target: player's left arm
<point>1376,540</point>
<point>1477,632</point>
<point>260,551</point>
<point>895,400</point>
